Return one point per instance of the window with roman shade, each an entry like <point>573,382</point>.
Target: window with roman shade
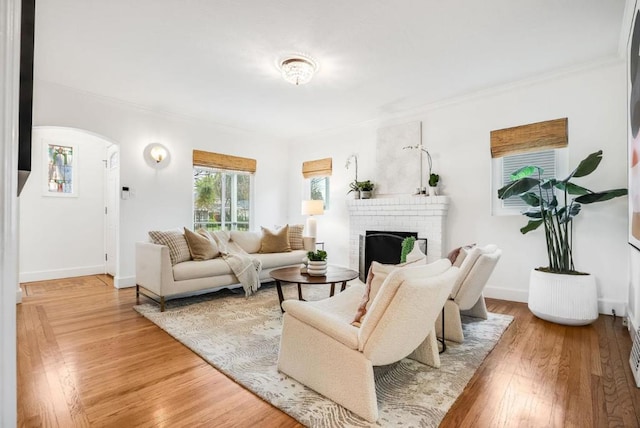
<point>316,174</point>
<point>222,191</point>
<point>540,144</point>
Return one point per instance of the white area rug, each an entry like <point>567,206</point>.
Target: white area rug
<point>240,337</point>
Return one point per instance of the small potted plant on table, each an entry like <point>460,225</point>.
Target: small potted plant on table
<point>317,265</point>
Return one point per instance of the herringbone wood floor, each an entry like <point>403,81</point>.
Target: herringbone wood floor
<point>85,358</point>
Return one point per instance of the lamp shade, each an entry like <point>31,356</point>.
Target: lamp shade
<point>313,207</point>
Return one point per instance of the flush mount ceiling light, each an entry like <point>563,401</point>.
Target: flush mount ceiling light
<point>298,69</point>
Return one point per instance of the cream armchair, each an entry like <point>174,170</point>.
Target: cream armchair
<point>322,350</point>
<point>476,267</point>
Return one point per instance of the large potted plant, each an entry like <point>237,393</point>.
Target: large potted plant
<point>558,292</point>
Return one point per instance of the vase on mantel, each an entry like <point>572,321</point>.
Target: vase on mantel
<point>433,191</point>
<point>317,268</point>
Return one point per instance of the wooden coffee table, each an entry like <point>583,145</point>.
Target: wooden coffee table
<point>335,274</point>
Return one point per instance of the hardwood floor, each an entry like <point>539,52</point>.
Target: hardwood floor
<point>85,358</point>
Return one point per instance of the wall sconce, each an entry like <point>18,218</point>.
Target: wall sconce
<point>156,155</point>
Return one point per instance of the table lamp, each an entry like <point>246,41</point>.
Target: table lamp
<point>311,208</point>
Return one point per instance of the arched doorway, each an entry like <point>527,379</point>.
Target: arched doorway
<point>69,207</point>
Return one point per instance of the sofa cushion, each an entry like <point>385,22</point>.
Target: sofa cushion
<point>200,247</point>
<point>175,240</point>
<point>248,241</point>
<point>273,260</point>
<point>201,269</point>
<point>275,241</point>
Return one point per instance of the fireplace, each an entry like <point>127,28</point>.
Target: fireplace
<point>383,247</point>
<point>423,214</point>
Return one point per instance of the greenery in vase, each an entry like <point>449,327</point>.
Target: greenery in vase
<point>407,246</point>
<point>433,179</point>
<point>556,214</point>
<point>366,186</point>
<point>317,256</point>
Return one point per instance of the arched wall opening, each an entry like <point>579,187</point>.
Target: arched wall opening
<point>69,207</point>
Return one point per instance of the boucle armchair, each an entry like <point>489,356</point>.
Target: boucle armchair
<point>321,349</point>
<point>476,265</point>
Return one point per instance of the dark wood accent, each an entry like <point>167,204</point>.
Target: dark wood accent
<point>293,275</point>
<point>85,358</point>
<point>551,134</point>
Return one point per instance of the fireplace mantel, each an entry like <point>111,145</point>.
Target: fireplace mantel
<point>423,214</point>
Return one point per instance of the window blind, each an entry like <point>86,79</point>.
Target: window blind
<point>317,168</point>
<point>222,161</point>
<point>510,164</point>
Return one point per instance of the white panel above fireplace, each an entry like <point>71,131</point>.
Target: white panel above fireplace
<point>423,214</point>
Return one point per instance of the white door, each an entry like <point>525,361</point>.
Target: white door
<point>111,209</point>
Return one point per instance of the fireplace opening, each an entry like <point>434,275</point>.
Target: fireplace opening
<point>383,247</point>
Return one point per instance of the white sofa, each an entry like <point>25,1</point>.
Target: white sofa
<point>158,280</point>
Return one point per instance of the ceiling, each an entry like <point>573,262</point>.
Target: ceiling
<point>216,60</point>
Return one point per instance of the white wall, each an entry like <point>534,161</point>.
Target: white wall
<point>63,236</point>
<point>457,136</point>
<point>162,199</point>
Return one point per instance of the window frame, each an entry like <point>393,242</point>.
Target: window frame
<point>227,225</point>
<point>306,192</point>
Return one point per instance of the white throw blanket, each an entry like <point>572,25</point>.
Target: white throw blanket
<point>245,268</point>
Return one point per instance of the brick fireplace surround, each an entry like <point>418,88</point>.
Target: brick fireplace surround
<point>423,214</point>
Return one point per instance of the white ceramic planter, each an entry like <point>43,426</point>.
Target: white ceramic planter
<point>315,268</point>
<point>563,299</point>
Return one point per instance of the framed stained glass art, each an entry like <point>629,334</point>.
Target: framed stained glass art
<point>61,166</point>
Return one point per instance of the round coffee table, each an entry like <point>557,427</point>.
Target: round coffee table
<point>334,275</point>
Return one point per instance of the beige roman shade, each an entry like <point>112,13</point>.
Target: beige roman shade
<point>317,168</point>
<point>551,134</point>
<point>220,161</point>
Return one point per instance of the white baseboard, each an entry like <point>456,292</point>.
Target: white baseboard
<point>606,306</point>
<point>509,294</point>
<point>513,295</point>
<point>60,273</point>
<point>18,295</point>
<point>124,281</point>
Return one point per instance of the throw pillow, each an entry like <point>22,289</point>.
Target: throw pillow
<point>199,246</point>
<point>212,241</point>
<point>457,255</point>
<point>175,240</point>
<point>362,308</point>
<point>275,241</point>
<point>378,272</point>
<point>295,236</point>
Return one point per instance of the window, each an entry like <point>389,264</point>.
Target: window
<point>541,144</point>
<point>319,190</point>
<point>221,199</point>
<point>316,174</point>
